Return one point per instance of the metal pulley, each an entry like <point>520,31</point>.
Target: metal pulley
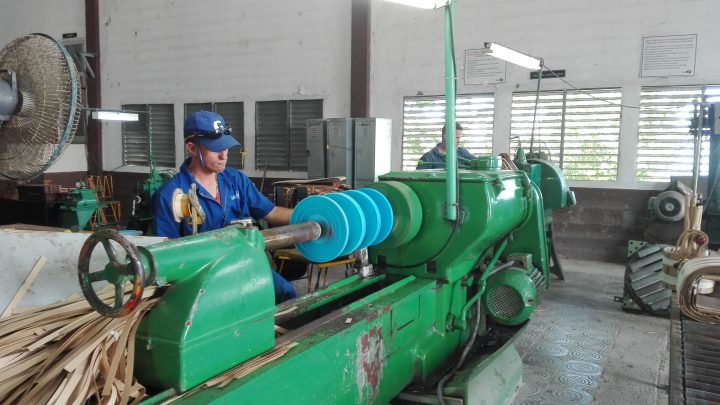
<point>350,221</point>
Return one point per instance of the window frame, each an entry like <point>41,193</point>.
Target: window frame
<point>161,136</point>
<point>288,136</point>
<point>563,119</point>
<point>682,121</point>
<point>474,126</point>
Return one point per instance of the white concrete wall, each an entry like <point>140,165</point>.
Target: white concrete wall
<point>178,52</point>
<point>54,18</point>
<point>219,50</point>
<point>597,42</point>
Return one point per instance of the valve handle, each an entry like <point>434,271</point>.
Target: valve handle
<point>117,272</point>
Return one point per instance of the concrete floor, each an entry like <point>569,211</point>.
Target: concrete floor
<point>581,348</point>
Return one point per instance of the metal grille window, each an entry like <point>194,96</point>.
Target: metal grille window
<point>424,117</point>
<point>665,144</point>
<point>135,135</point>
<point>234,114</point>
<point>280,133</point>
<point>577,129</point>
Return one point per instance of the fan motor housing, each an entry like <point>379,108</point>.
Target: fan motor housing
<point>668,206</point>
<point>510,297</point>
<point>8,94</point>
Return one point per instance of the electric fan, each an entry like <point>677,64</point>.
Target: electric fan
<point>40,103</point>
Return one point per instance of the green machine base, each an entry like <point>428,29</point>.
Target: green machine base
<point>487,379</point>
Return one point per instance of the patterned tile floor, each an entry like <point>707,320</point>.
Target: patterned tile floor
<point>563,356</point>
<point>579,344</point>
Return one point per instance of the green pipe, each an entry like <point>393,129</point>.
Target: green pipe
<point>450,146</point>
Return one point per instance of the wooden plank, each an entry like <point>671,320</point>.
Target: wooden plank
<point>69,354</point>
<point>24,286</point>
<point>64,330</point>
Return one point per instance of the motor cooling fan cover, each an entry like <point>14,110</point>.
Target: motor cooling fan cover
<point>48,111</point>
<point>668,206</point>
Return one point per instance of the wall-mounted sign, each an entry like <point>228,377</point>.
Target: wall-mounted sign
<point>668,56</point>
<point>481,68</point>
<point>548,74</point>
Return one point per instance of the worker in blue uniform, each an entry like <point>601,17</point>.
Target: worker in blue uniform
<point>435,157</point>
<point>225,194</point>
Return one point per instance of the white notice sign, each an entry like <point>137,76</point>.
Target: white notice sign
<point>668,56</point>
<point>481,68</point>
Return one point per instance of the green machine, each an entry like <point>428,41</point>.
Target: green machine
<point>413,323</point>
<point>77,207</point>
<point>556,196</point>
<point>462,267</point>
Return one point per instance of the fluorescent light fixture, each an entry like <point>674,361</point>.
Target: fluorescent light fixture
<point>428,4</point>
<point>114,116</point>
<point>511,56</point>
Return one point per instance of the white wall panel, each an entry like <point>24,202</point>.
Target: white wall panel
<point>181,52</point>
<point>597,42</point>
<point>54,18</point>
<point>171,51</point>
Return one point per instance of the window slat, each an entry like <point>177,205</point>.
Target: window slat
<point>135,135</point>
<point>578,129</point>
<point>665,145</point>
<point>424,117</point>
<point>281,133</point>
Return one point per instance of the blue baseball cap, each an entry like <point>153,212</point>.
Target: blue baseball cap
<point>209,130</point>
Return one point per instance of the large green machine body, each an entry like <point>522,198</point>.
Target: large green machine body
<point>202,326</point>
<point>493,204</point>
<point>366,338</point>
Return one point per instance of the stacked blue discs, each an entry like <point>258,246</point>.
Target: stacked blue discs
<point>350,221</point>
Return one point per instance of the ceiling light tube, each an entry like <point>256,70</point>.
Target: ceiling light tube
<point>114,116</point>
<point>427,4</point>
<point>512,56</point>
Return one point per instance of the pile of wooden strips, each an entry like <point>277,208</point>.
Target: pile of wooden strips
<point>692,243</point>
<point>694,305</point>
<point>69,354</point>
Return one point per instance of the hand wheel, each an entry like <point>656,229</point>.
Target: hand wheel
<point>117,272</point>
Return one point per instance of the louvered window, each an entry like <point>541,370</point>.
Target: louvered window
<point>577,129</point>
<point>665,146</point>
<point>157,119</point>
<point>233,114</point>
<point>280,133</point>
<point>424,117</point>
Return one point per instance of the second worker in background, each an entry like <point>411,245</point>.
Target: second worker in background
<point>435,157</point>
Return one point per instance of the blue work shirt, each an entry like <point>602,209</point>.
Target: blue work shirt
<point>239,198</point>
<point>434,159</point>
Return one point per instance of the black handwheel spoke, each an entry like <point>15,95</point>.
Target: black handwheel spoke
<point>110,250</point>
<point>119,293</point>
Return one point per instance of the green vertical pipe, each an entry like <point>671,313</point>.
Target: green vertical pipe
<point>450,146</point>
<point>151,159</point>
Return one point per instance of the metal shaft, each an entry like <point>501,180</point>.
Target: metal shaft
<point>284,236</point>
<point>697,150</point>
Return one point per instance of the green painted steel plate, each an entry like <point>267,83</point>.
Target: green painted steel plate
<point>406,209</point>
